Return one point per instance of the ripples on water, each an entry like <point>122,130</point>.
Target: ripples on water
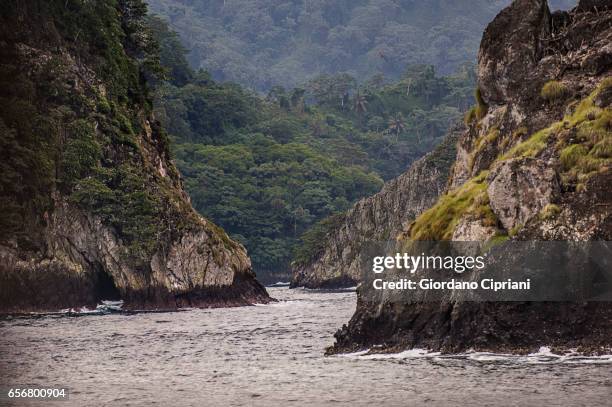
<point>272,355</point>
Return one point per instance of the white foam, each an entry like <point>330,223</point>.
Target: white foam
<point>280,284</point>
<point>543,351</point>
<point>280,303</point>
<point>407,354</point>
<point>353,354</point>
<point>543,356</point>
<point>106,307</point>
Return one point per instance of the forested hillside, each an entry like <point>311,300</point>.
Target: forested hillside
<point>263,43</point>
<point>91,205</point>
<point>267,169</point>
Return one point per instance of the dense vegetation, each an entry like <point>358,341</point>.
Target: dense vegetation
<point>74,99</point>
<point>584,152</point>
<point>266,169</point>
<point>263,43</point>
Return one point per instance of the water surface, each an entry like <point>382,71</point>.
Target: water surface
<point>272,355</point>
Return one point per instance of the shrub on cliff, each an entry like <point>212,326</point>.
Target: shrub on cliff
<point>481,106</point>
<point>439,222</point>
<point>477,112</point>
<point>550,211</point>
<point>571,155</point>
<point>81,152</point>
<point>470,115</point>
<point>553,91</point>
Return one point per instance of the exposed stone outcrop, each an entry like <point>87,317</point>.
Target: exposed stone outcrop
<point>85,262</point>
<point>511,44</point>
<point>520,188</point>
<point>583,216</point>
<point>538,153</point>
<point>471,229</point>
<point>521,51</point>
<point>101,212</point>
<point>378,218</point>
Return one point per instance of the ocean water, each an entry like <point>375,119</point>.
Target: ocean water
<point>271,355</point>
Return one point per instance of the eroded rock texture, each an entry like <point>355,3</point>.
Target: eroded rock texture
<point>531,166</point>
<point>519,189</point>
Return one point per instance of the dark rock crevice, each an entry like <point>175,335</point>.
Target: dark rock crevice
<point>105,288</point>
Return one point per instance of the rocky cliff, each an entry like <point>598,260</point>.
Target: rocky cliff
<point>376,219</point>
<point>92,206</point>
<point>533,164</point>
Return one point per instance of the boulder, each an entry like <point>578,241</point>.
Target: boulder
<point>520,188</point>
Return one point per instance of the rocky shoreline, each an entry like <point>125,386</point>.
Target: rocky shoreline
<point>519,328</point>
<point>529,167</point>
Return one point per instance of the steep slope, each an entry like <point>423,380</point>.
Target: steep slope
<point>91,204</point>
<point>533,165</point>
<point>378,218</point>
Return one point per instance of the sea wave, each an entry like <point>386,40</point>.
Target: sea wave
<point>543,356</point>
<point>279,284</point>
<point>105,307</point>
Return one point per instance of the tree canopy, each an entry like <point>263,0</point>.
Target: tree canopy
<point>268,168</point>
<point>263,43</point>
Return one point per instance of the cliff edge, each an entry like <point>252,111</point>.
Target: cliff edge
<point>533,165</point>
<point>92,206</point>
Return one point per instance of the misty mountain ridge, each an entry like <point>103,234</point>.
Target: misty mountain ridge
<point>263,43</point>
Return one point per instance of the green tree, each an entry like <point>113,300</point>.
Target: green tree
<point>268,169</point>
<point>397,125</point>
<point>360,103</point>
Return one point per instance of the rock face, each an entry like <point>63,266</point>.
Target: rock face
<point>532,165</point>
<point>93,208</point>
<point>520,188</point>
<point>378,218</point>
<point>511,44</point>
<point>593,5</point>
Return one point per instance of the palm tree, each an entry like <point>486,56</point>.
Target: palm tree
<point>397,125</point>
<point>360,103</point>
<point>408,84</point>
